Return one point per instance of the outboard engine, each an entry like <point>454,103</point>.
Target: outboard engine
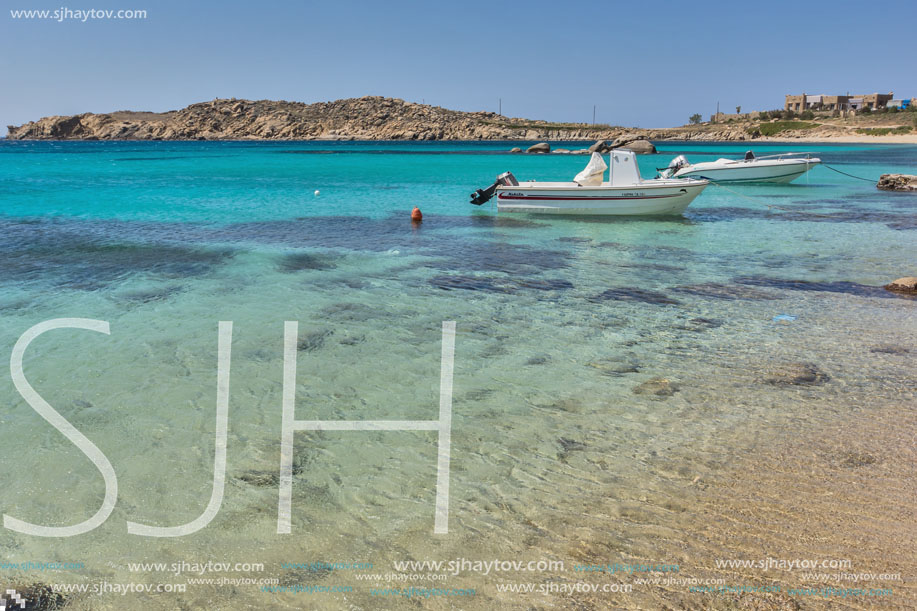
<point>482,196</point>
<point>675,165</point>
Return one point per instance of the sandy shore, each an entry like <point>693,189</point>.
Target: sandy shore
<point>847,139</point>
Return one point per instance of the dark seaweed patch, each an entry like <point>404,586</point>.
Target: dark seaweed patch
<point>76,262</point>
<point>659,267</point>
<point>858,215</point>
<point>303,260</point>
<point>470,283</point>
<point>498,285</point>
<point>850,288</point>
<point>574,240</point>
<point>635,294</point>
<point>151,295</point>
<point>352,312</point>
<point>716,290</point>
<point>486,255</point>
<point>547,284</point>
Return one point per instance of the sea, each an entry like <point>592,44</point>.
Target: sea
<point>665,393</point>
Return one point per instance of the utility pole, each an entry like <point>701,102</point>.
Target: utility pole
<point>717,111</point>
<point>500,112</point>
<point>593,115</point>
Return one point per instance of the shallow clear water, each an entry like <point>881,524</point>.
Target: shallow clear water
<point>558,321</point>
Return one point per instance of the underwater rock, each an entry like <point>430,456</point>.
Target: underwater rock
<point>515,149</point>
<point>38,597</point>
<point>311,342</point>
<point>851,460</point>
<point>657,387</point>
<point>889,349</point>
<point>614,366</point>
<point>796,374</point>
<point>567,446</point>
<point>304,575</point>
<point>906,285</point>
<point>261,479</point>
<point>897,182</point>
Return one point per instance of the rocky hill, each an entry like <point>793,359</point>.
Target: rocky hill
<point>377,118</point>
<point>367,118</point>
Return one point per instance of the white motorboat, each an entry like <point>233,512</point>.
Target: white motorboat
<point>781,168</point>
<point>625,193</point>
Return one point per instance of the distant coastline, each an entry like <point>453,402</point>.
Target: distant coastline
<point>377,118</point>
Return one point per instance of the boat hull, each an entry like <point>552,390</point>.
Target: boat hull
<point>636,200</point>
<point>779,172</point>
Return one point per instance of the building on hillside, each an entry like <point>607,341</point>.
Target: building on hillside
<point>835,102</point>
<point>722,117</point>
<point>796,103</point>
<point>875,101</point>
<point>872,101</point>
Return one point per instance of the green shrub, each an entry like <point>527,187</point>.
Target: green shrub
<point>807,114</point>
<point>770,129</point>
<point>885,131</point>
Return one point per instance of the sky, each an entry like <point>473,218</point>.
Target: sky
<point>640,63</point>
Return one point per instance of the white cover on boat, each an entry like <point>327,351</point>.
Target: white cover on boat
<point>593,173</point>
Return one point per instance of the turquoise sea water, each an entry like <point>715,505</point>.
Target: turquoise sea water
<point>558,322</point>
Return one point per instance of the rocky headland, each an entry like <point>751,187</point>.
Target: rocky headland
<point>366,118</point>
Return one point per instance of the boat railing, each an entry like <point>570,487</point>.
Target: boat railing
<point>781,156</point>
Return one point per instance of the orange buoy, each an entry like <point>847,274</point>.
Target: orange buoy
<point>416,215</point>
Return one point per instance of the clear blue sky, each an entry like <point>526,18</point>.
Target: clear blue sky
<point>646,63</point>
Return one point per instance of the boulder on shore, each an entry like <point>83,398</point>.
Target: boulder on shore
<point>897,182</point>
<point>600,147</point>
<point>541,147</point>
<point>641,147</point>
<point>907,285</point>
